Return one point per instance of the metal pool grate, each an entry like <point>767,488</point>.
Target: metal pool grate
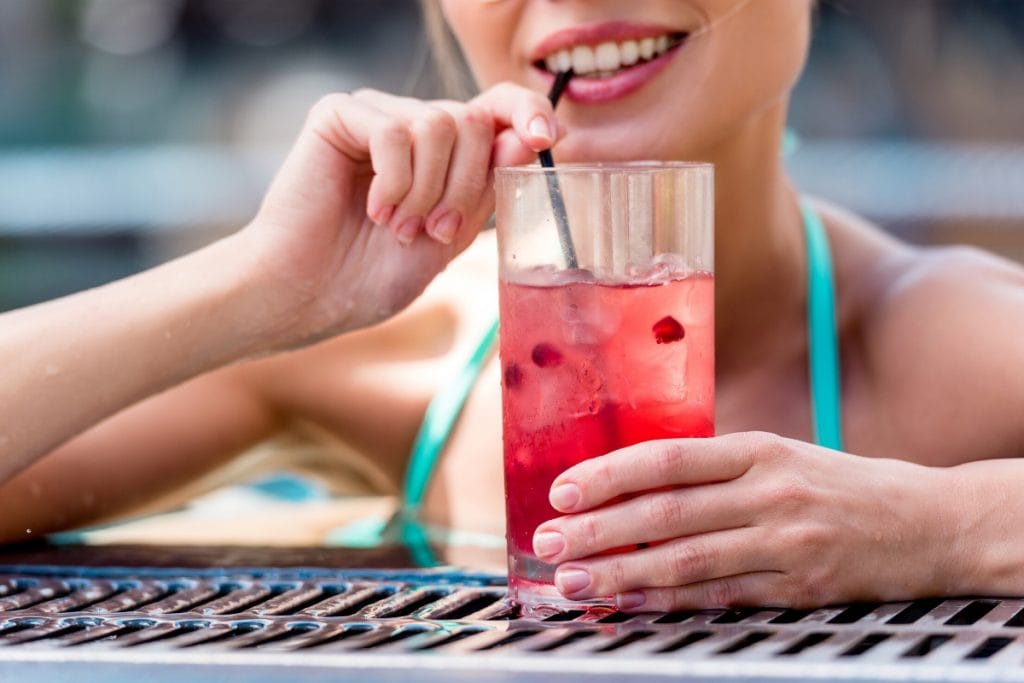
<point>96,624</point>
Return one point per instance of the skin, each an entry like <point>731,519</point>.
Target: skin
<point>124,394</point>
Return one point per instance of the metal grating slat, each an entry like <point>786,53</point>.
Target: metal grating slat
<point>391,622</point>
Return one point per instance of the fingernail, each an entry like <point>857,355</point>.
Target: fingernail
<point>630,600</point>
<point>408,230</point>
<point>569,581</point>
<point>539,128</point>
<point>565,497</point>
<point>447,226</point>
<point>548,543</point>
<point>385,214</point>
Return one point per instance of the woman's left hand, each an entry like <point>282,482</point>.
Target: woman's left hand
<point>750,519</point>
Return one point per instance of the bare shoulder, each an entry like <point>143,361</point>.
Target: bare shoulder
<point>939,330</point>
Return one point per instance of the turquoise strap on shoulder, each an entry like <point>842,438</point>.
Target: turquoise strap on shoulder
<point>822,335</point>
<point>440,418</point>
<point>441,415</point>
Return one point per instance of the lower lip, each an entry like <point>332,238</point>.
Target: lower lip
<point>599,90</point>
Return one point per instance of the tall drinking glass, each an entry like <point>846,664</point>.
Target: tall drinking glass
<point>615,350</point>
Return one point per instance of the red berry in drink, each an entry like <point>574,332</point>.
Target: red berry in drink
<point>668,330</point>
<point>513,376</point>
<point>546,356</point>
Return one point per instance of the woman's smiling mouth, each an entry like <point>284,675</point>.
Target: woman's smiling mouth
<point>610,60</point>
<point>606,59</point>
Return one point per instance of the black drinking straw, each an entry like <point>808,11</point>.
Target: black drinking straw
<point>554,188</point>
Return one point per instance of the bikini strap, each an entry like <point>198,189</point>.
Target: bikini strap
<point>823,341</point>
<point>438,421</point>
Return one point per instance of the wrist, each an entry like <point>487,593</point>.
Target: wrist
<point>257,312</point>
<point>987,515</point>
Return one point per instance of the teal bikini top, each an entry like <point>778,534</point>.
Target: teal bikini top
<point>446,406</point>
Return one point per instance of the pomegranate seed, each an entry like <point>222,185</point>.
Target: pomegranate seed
<point>546,356</point>
<point>668,330</point>
<point>513,376</point>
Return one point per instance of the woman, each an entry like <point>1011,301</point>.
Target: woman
<point>311,320</point>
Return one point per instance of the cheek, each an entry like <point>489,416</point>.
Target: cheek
<point>484,30</point>
<point>756,62</point>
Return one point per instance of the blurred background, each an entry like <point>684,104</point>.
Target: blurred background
<point>131,130</point>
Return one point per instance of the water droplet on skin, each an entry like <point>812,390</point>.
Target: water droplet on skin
<point>52,370</point>
<point>28,531</point>
<point>167,334</point>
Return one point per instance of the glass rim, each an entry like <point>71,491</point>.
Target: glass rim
<point>651,166</point>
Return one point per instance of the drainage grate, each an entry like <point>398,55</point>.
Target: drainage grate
<point>407,625</point>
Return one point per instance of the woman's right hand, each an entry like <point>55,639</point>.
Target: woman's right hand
<point>377,195</point>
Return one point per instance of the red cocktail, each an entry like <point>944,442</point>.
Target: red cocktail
<point>607,329</point>
<point>589,368</point>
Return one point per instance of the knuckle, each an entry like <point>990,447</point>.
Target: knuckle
<point>791,492</point>
<point>811,590</point>
<point>477,121</point>
<point>590,532</point>
<point>691,562</point>
<point>328,106</point>
<point>603,477</point>
<point>668,458</point>
<point>723,593</point>
<point>435,122</point>
<point>803,539</point>
<point>766,446</point>
<point>665,510</point>
<point>394,130</point>
<point>364,93</point>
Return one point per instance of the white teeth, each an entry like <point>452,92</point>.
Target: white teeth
<point>607,58</point>
<point>563,60</point>
<point>629,53</point>
<point>647,48</point>
<point>583,59</point>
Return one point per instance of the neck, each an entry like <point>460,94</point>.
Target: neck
<point>760,261</point>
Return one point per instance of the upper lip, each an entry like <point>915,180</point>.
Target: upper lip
<point>595,34</point>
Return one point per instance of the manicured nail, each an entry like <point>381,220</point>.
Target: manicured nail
<point>630,600</point>
<point>408,230</point>
<point>548,543</point>
<point>539,128</point>
<point>565,497</point>
<point>569,581</point>
<point>447,226</point>
<point>385,214</point>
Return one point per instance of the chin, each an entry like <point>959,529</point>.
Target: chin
<point>608,144</point>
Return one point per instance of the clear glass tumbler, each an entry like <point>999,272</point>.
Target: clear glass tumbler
<point>607,328</point>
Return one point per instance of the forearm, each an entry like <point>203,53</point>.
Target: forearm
<point>77,360</point>
<point>990,511</point>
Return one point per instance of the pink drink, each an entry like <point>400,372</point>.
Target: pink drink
<point>589,368</point>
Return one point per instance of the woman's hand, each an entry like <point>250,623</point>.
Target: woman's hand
<point>750,519</point>
<point>378,194</point>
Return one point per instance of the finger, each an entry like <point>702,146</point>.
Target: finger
<point>509,150</point>
<point>651,465</point>
<point>757,589</point>
<point>648,518</point>
<point>434,132</point>
<point>363,133</point>
<point>678,562</point>
<point>527,112</point>
<point>468,172</point>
